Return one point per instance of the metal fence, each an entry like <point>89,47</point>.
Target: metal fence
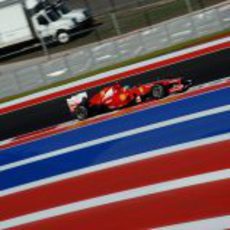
<point>117,49</point>
<point>116,17</point>
<point>99,7</point>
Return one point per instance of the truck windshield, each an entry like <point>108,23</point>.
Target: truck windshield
<point>53,15</point>
<point>63,8</point>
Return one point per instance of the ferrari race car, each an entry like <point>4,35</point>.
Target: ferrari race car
<point>117,96</point>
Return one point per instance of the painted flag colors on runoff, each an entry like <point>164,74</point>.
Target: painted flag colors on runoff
<point>165,166</point>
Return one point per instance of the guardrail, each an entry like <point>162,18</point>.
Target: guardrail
<point>118,49</point>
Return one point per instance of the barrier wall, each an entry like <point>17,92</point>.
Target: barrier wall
<point>119,74</point>
<point>87,58</point>
<point>32,113</point>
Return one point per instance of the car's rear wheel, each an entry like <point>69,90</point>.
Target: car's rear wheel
<point>158,91</point>
<point>81,112</point>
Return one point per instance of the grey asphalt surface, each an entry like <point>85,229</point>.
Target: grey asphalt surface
<point>101,6</point>
<point>203,69</point>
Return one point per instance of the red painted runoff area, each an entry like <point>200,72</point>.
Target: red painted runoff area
<point>159,169</point>
<point>181,205</point>
<point>170,185</point>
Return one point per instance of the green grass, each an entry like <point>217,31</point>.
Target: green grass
<point>124,63</point>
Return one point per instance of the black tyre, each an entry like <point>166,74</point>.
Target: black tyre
<point>63,37</point>
<point>81,112</point>
<point>158,91</point>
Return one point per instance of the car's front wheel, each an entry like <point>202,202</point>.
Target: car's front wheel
<point>81,112</point>
<point>158,91</point>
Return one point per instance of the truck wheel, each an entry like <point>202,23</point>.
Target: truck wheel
<point>81,112</point>
<point>63,37</point>
<point>158,91</point>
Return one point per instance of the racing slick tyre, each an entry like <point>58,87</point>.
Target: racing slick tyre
<point>187,84</point>
<point>81,112</point>
<point>158,91</point>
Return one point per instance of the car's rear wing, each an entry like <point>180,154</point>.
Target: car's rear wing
<point>76,100</point>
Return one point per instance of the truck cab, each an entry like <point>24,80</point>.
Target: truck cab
<point>81,16</point>
<point>48,23</point>
<point>27,21</point>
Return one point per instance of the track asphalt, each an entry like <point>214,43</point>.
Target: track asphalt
<point>202,69</point>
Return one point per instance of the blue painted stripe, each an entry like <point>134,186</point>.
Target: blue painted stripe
<point>131,121</point>
<point>151,140</point>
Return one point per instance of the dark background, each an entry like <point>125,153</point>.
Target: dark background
<point>128,15</point>
<point>101,6</point>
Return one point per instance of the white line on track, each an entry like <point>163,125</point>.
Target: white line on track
<point>118,197</point>
<point>216,223</point>
<point>116,136</point>
<point>119,162</point>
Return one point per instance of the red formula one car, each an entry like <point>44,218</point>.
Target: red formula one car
<point>117,96</point>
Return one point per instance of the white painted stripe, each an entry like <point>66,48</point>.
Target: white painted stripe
<point>57,73</point>
<point>119,162</point>
<point>116,136</point>
<point>116,71</point>
<point>118,197</point>
<point>216,223</point>
<point>6,142</point>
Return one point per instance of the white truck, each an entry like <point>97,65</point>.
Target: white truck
<point>82,16</point>
<point>26,20</point>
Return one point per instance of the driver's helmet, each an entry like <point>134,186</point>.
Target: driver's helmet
<point>126,87</point>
